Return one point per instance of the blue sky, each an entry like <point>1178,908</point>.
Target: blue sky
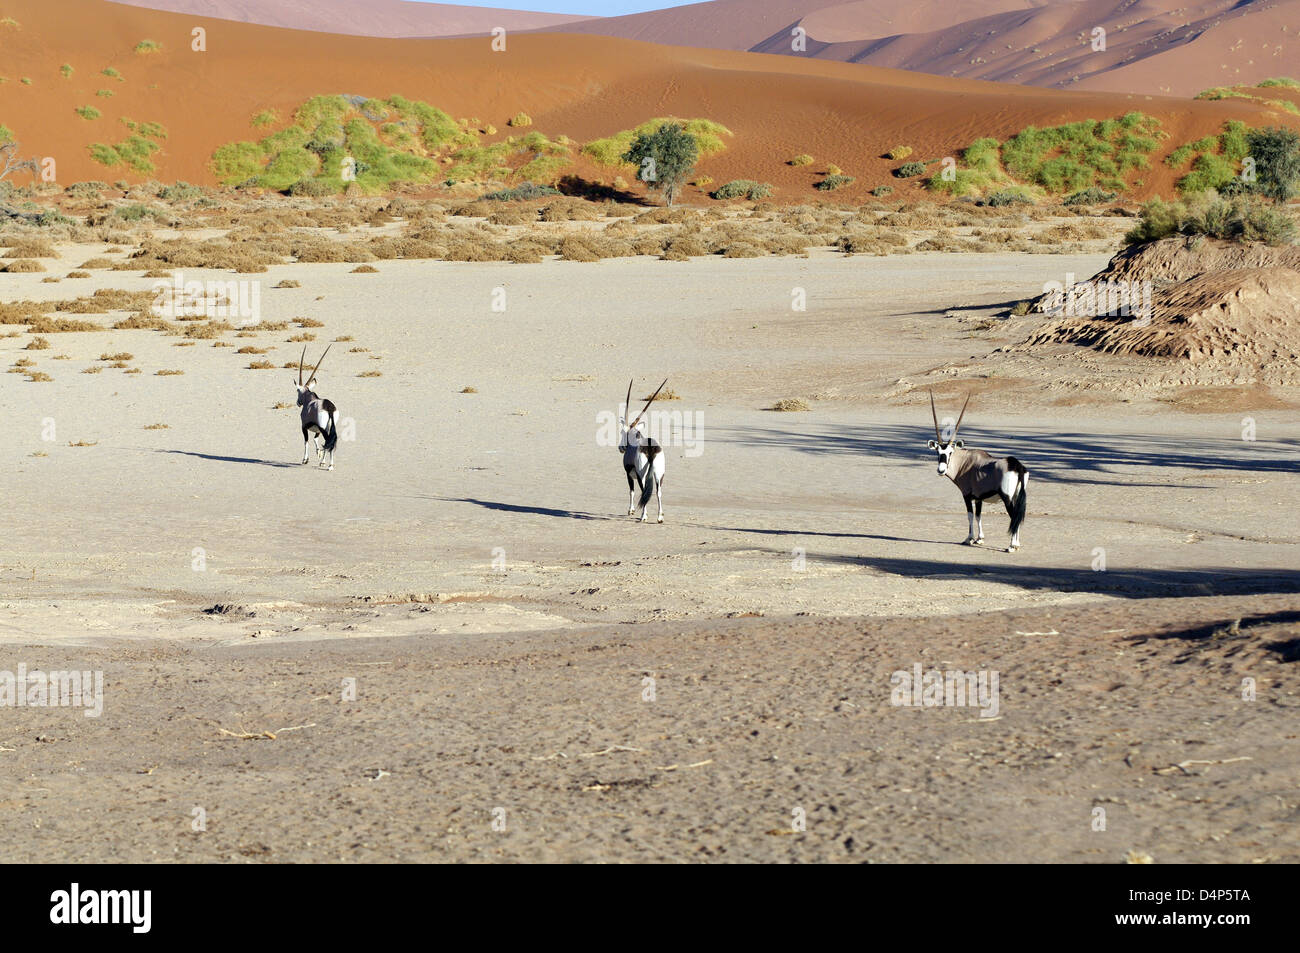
<point>597,8</point>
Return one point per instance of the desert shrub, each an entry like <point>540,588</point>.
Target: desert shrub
<point>523,192</point>
<point>802,159</point>
<point>909,169</point>
<point>30,248</point>
<point>88,112</point>
<point>520,119</point>
<point>179,192</point>
<point>311,187</point>
<point>743,188</point>
<point>1239,219</point>
<point>148,46</point>
<point>706,133</point>
<point>1015,195</point>
<point>1090,196</point>
<point>569,210</point>
<point>684,247</point>
<point>1277,162</point>
<point>1279,81</point>
<point>898,153</point>
<point>881,190</point>
<point>743,249</point>
<point>833,182</point>
<point>22,265</point>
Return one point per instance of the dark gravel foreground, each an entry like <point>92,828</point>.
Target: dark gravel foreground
<point>1133,707</point>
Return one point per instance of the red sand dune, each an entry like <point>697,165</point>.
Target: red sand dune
<point>361,17</point>
<point>1173,47</point>
<point>1169,47</point>
<point>581,86</point>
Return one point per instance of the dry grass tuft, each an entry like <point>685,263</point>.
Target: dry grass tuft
<point>288,283</point>
<point>169,373</point>
<point>365,270</point>
<point>30,248</point>
<point>261,365</point>
<point>37,344</point>
<point>118,356</point>
<point>39,377</point>
<point>24,265</point>
<point>789,405</point>
<point>157,426</point>
<point>469,390</point>
<point>371,374</point>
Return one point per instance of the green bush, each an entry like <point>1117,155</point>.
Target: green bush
<point>881,190</point>
<point>88,112</point>
<point>1090,196</point>
<point>742,188</point>
<point>1239,219</point>
<point>909,169</point>
<point>706,133</point>
<point>1015,195</point>
<point>802,159</point>
<point>833,182</point>
<point>1279,81</point>
<point>1277,162</point>
<point>522,192</point>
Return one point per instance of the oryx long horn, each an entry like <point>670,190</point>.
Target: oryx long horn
<point>648,403</point>
<point>935,415</point>
<point>317,367</point>
<point>300,359</point>
<point>960,416</point>
<point>627,404</point>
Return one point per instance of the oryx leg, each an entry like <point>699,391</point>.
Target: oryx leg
<point>970,521</point>
<point>306,442</point>
<point>659,495</point>
<point>631,489</point>
<point>979,521</point>
<point>1015,537</point>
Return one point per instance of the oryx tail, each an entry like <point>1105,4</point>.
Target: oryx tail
<point>1019,499</point>
<point>331,435</point>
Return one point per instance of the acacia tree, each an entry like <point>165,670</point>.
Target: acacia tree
<point>9,161</point>
<point>1277,162</point>
<point>664,158</point>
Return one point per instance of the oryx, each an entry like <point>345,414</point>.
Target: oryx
<point>319,416</point>
<point>980,476</point>
<point>643,458</point>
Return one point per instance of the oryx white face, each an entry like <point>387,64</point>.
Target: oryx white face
<point>944,451</point>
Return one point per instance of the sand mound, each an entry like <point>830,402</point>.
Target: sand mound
<point>1178,259</point>
<point>1208,303</point>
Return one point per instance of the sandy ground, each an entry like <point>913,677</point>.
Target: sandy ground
<point>832,525</point>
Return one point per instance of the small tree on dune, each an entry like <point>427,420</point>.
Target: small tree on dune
<point>664,159</point>
<point>1277,162</point>
<point>9,161</point>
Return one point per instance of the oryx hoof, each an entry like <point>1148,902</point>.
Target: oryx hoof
<point>968,541</point>
<point>660,519</point>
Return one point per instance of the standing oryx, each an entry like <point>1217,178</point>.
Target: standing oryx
<point>980,476</point>
<point>643,458</point>
<point>319,416</point>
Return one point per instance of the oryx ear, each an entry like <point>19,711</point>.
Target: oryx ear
<point>933,445</point>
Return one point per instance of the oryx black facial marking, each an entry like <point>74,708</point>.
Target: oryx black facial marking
<point>319,416</point>
<point>643,458</point>
<point>980,476</point>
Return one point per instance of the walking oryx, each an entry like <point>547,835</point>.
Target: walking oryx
<point>980,476</point>
<point>643,458</point>
<point>319,416</point>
